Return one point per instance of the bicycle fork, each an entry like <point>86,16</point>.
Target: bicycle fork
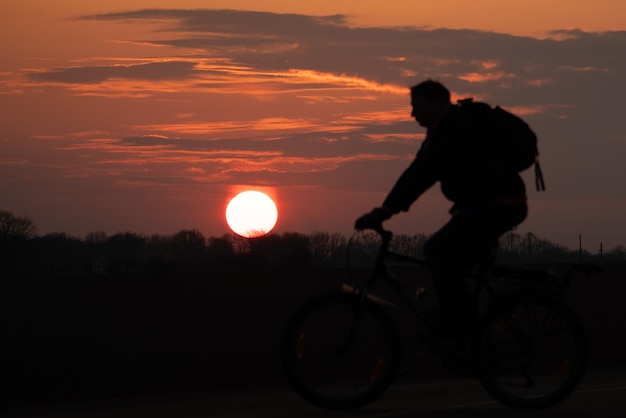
<point>363,297</point>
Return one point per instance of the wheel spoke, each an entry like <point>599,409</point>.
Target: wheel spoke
<point>339,352</point>
<point>533,352</point>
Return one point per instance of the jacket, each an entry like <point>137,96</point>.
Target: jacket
<point>456,153</point>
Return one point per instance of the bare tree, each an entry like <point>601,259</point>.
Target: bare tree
<point>15,227</point>
<point>221,252</point>
<point>14,232</point>
<point>61,254</point>
<point>95,242</point>
<point>189,249</point>
<point>96,238</point>
<point>240,244</point>
<point>189,241</point>
<point>409,244</point>
<point>324,246</point>
<point>617,253</point>
<point>126,251</point>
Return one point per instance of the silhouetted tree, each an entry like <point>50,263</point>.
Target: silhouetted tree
<point>274,251</point>
<point>160,256</point>
<point>126,252</point>
<point>362,248</point>
<point>189,241</point>
<point>189,249</point>
<point>264,252</point>
<point>12,227</point>
<point>510,242</point>
<point>95,238</point>
<point>95,244</point>
<point>240,244</point>
<point>61,255</point>
<point>296,250</point>
<point>220,252</point>
<point>409,244</point>
<point>15,231</point>
<point>325,247</point>
<point>616,253</point>
<point>529,248</point>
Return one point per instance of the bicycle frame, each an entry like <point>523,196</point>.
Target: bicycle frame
<point>530,278</point>
<point>381,271</point>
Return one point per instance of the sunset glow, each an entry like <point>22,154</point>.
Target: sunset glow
<point>251,214</point>
<point>145,115</point>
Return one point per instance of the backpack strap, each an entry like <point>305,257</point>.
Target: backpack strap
<point>539,183</point>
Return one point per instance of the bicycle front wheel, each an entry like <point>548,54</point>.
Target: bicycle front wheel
<point>531,351</point>
<point>340,353</point>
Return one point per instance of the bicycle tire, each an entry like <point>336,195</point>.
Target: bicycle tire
<point>327,372</point>
<point>531,351</point>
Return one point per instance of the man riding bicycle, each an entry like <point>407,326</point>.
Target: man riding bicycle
<point>488,199</point>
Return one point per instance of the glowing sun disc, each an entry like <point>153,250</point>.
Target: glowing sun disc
<point>251,214</point>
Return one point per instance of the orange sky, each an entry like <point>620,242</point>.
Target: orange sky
<point>150,122</point>
<point>41,29</point>
<point>517,17</point>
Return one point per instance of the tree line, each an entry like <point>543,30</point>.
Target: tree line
<point>23,253</point>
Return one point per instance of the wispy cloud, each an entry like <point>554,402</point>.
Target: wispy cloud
<point>153,160</point>
<point>263,97</point>
<point>267,53</point>
<point>166,70</point>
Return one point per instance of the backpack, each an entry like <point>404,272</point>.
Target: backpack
<point>515,144</point>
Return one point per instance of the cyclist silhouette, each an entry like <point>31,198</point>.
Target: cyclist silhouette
<point>488,199</point>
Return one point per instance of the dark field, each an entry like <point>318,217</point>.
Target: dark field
<point>67,340</point>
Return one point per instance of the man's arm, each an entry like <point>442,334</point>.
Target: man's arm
<point>413,182</point>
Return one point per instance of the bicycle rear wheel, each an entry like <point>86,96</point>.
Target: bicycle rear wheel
<point>531,351</point>
<point>339,353</point>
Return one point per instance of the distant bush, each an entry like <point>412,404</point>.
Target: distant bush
<point>189,252</point>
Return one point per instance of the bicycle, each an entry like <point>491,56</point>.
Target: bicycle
<point>527,348</point>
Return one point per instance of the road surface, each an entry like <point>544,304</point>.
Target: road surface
<point>599,395</point>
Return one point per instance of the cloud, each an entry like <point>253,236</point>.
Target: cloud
<point>269,42</point>
<point>166,70</point>
<point>236,22</point>
<point>322,60</point>
<point>299,158</point>
<point>13,162</point>
<point>320,96</point>
<point>476,77</point>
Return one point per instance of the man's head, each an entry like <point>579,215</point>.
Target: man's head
<point>430,100</point>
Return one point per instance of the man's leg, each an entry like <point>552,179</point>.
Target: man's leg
<point>453,250</point>
<point>444,251</point>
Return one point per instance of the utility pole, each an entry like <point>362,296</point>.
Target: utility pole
<point>580,248</point>
<point>600,251</point>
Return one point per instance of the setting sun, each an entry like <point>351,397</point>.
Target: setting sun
<point>251,214</point>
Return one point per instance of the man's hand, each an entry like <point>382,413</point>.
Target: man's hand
<point>373,219</point>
